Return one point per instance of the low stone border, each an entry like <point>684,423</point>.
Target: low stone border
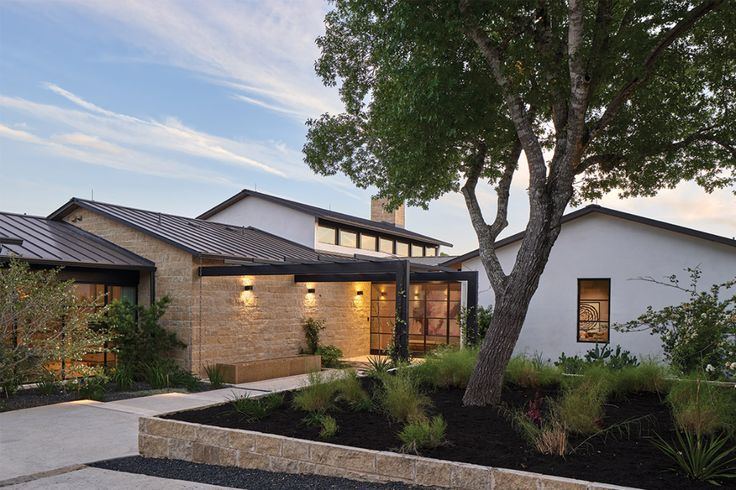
<point>164,438</point>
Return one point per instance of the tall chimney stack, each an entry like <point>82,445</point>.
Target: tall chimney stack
<point>379,213</point>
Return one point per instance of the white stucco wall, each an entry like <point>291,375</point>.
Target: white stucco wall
<point>271,217</point>
<point>601,246</point>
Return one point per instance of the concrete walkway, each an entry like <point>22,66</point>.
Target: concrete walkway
<point>41,439</point>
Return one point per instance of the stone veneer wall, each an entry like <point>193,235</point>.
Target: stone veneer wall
<point>220,322</point>
<point>173,272</point>
<point>236,325</point>
<point>159,438</point>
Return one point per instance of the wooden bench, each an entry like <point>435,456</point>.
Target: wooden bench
<point>244,372</point>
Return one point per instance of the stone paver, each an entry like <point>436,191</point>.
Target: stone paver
<point>39,439</point>
<point>96,478</point>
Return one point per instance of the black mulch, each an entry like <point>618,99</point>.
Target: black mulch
<point>484,436</point>
<point>236,477</point>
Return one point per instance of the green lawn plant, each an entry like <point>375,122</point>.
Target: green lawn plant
<point>703,408</point>
<point>705,458</point>
<point>318,396</point>
<point>378,366</point>
<point>253,409</point>
<point>401,399</point>
<point>216,375</point>
<point>423,433</point>
<point>351,392</point>
<point>448,367</point>
<point>529,373</point>
<point>580,407</point>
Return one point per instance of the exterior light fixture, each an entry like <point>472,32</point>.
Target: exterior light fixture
<point>310,290</point>
<point>359,292</point>
<point>248,287</point>
<point>383,294</point>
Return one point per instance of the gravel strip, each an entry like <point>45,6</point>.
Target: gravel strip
<point>236,477</point>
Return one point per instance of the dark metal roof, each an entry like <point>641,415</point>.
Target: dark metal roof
<point>198,237</point>
<point>43,241</point>
<point>326,214</point>
<point>595,208</point>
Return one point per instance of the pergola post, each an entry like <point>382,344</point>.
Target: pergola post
<point>472,309</point>
<point>401,328</point>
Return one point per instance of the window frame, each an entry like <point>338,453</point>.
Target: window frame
<point>368,235</point>
<point>577,314</point>
<point>348,231</point>
<point>396,248</point>
<point>414,245</point>
<point>334,234</point>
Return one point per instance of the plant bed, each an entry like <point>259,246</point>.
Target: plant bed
<point>35,397</point>
<point>485,436</point>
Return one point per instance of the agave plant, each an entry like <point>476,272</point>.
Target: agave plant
<point>699,457</point>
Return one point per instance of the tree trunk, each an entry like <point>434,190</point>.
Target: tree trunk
<point>509,313</point>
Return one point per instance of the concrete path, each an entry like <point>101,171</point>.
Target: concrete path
<point>96,478</point>
<point>41,439</point>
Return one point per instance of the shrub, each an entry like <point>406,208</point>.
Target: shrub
<point>32,305</point>
<point>215,374</point>
<point>122,376</point>
<point>378,366</point>
<point>330,354</point>
<point>698,333</point>
<point>580,408</point>
<point>328,426</point>
<point>401,400</point>
<point>701,408</point>
<point>484,316</point>
<point>164,373</point>
<point>448,367</point>
<point>351,391</point>
<point>139,338</point>
<point>571,364</point>
<point>318,397</point>
<point>548,434</point>
<point>423,434</point>
<point>701,458</point>
<point>92,388</point>
<point>312,328</point>
<point>648,377</point>
<point>527,373</point>
<point>257,408</point>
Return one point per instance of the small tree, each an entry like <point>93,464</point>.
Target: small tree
<point>42,321</point>
<point>699,334</point>
<point>140,340</point>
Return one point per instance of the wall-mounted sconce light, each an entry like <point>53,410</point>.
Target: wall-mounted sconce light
<point>310,290</point>
<point>383,294</point>
<point>359,292</point>
<point>248,287</point>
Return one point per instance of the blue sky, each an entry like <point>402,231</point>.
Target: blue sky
<point>175,106</point>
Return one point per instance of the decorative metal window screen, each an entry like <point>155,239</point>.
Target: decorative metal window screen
<point>594,307</point>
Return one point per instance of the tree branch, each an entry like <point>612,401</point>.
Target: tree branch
<point>514,104</point>
<point>647,67</point>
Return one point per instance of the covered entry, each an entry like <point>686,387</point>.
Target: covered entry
<point>437,294</point>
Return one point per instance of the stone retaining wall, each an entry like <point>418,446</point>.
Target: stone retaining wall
<point>159,438</point>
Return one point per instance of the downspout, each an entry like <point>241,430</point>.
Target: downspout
<point>152,286</point>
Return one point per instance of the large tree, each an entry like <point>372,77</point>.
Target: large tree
<point>604,95</point>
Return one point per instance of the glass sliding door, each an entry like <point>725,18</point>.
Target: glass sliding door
<point>434,309</point>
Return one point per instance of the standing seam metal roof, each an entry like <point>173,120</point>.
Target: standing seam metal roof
<point>40,240</point>
<point>199,237</point>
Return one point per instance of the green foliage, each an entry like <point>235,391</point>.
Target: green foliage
<point>378,366</point>
<point>529,373</point>
<point>699,334</point>
<point>545,432</point>
<point>423,433</point>
<point>580,408</point>
<point>400,398</point>
<point>648,377</point>
<point>215,374</point>
<point>49,384</point>
<point>571,364</point>
<point>447,367</point>
<point>351,392</point>
<point>122,376</point>
<point>312,329</point>
<point>328,427</point>
<point>612,359</point>
<point>483,319</point>
<point>702,408</point>
<point>140,340</point>
<point>164,373</point>
<point>318,396</point>
<point>330,354</point>
<point>700,457</point>
<point>41,322</point>
<point>92,388</point>
<point>253,409</point>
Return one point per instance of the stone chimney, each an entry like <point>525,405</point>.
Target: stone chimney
<point>379,213</point>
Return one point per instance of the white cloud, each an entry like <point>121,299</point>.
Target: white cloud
<point>264,50</point>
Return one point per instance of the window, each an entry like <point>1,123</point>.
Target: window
<point>430,251</point>
<point>348,239</point>
<point>417,250</point>
<point>367,242</point>
<point>385,245</point>
<point>325,234</point>
<point>402,249</point>
<point>594,308</point>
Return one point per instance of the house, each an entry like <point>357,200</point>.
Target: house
<point>240,292</point>
<point>325,230</point>
<point>593,278</point>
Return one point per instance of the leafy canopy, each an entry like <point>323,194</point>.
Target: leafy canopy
<point>420,97</point>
